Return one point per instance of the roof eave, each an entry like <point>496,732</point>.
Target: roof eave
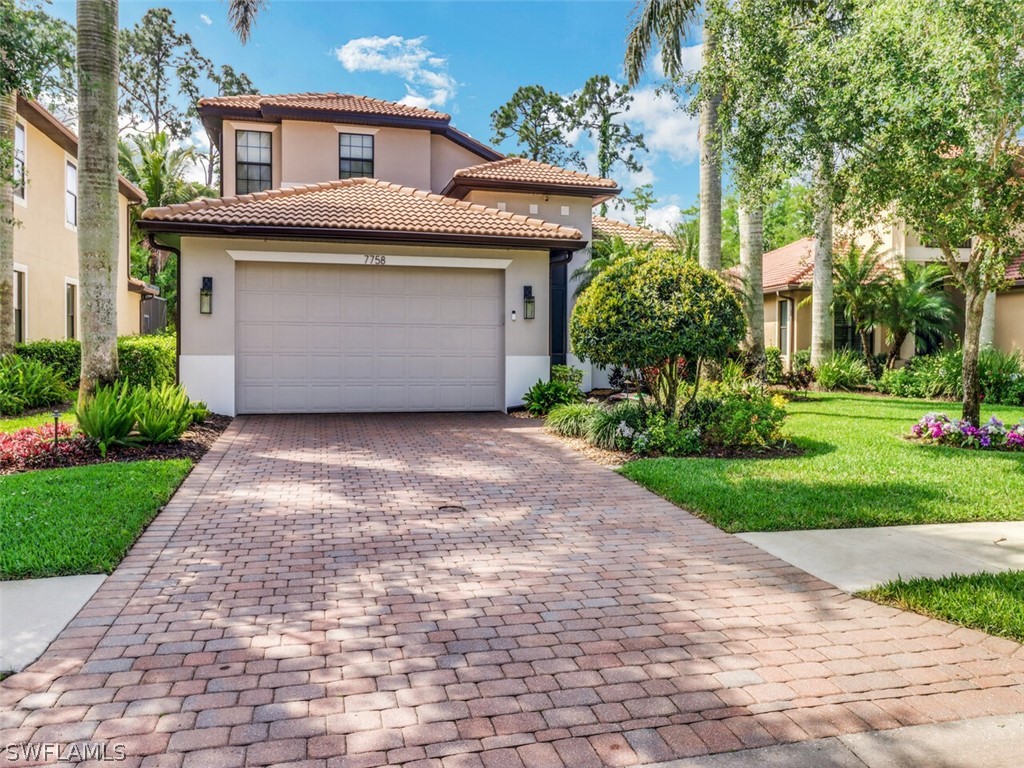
<point>460,186</point>
<point>157,226</point>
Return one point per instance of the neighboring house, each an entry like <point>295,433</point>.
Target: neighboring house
<point>46,237</point>
<point>605,228</point>
<point>367,256</point>
<point>1009,323</point>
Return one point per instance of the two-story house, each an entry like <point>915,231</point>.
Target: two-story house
<point>368,256</point>
<point>46,237</point>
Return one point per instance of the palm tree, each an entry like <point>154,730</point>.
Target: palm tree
<point>860,280</point>
<point>752,278</point>
<point>604,252</point>
<point>915,302</point>
<point>667,21</point>
<point>97,66</point>
<point>8,110</point>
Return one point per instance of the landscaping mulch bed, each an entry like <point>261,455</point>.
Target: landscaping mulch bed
<point>193,445</point>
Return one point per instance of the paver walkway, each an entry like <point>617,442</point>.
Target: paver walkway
<point>466,591</point>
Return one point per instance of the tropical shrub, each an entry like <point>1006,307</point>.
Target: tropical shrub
<point>928,376</point>
<point>656,310</point>
<point>108,416</point>
<point>615,428</point>
<point>63,356</point>
<point>199,412</point>
<point>844,370</point>
<point>571,420</point>
<point>162,414</point>
<point>29,384</point>
<point>666,435</point>
<point>567,375</point>
<point>939,429</point>
<point>749,419</point>
<point>33,446</point>
<point>772,365</point>
<point>143,360</point>
<point>545,395</point>
<point>1002,376</point>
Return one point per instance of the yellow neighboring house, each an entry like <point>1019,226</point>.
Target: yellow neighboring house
<point>46,237</point>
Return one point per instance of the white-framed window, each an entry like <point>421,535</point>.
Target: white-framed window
<point>20,292</point>
<point>70,194</point>
<point>355,156</point>
<point>20,156</point>
<point>253,161</point>
<point>785,321</point>
<point>70,308</point>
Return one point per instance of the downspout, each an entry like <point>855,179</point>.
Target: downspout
<point>157,246</point>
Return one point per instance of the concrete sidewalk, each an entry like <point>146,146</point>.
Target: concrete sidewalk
<point>987,742</point>
<point>859,558</point>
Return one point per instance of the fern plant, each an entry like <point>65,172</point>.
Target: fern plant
<point>108,416</point>
<point>162,414</point>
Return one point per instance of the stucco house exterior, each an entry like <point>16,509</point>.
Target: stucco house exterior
<point>368,256</point>
<point>46,237</point>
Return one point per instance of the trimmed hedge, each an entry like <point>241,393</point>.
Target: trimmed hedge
<point>143,360</point>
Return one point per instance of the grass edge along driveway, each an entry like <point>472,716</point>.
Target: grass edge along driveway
<point>78,520</point>
<point>857,471</point>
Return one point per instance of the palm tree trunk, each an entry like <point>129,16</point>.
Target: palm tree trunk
<point>97,185</point>
<point>8,115</point>
<point>752,277</point>
<point>988,321</point>
<point>974,305</point>
<point>865,347</point>
<point>894,349</point>
<point>822,322</point>
<point>710,254</point>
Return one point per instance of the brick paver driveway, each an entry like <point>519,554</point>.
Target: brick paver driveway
<point>465,591</point>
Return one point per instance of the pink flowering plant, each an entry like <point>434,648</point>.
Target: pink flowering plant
<point>33,448</point>
<point>994,435</point>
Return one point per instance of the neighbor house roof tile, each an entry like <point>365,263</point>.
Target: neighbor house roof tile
<point>630,234</point>
<point>324,102</point>
<point>1015,270</point>
<point>354,206</point>
<point>790,266</point>
<point>519,173</point>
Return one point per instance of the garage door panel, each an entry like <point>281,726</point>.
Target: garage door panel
<point>328,338</point>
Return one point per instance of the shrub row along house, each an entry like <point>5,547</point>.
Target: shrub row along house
<point>368,256</point>
<point>46,236</point>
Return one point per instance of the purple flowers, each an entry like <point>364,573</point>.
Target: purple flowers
<point>939,429</point>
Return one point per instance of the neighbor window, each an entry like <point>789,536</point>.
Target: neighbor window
<point>355,156</point>
<point>252,162</point>
<point>71,310</point>
<point>846,335</point>
<point>19,161</point>
<point>784,308</point>
<point>19,307</point>
<point>71,194</point>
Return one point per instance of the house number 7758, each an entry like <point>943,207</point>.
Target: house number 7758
<point>376,260</point>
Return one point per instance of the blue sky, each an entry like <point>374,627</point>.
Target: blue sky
<point>465,57</point>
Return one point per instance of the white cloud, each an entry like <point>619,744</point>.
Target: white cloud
<point>664,217</point>
<point>427,81</point>
<point>690,58</point>
<point>666,127</point>
<point>205,19</point>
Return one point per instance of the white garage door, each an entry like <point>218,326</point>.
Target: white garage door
<point>335,338</point>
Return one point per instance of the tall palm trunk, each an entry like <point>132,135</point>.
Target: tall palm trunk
<point>8,114</point>
<point>97,185</point>
<point>710,254</point>
<point>752,276</point>
<point>822,319</point>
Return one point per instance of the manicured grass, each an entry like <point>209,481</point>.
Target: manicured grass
<point>36,420</point>
<point>857,471</point>
<point>993,603</point>
<point>60,522</point>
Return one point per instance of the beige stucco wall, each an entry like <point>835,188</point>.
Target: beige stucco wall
<point>48,248</point>
<point>446,157</point>
<point>1010,320</point>
<point>208,341</point>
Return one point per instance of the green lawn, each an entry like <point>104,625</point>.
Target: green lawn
<point>993,603</point>
<point>59,522</point>
<point>856,471</point>
<point>36,420</point>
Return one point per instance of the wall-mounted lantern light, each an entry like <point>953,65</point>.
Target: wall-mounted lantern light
<point>529,303</point>
<point>206,297</point>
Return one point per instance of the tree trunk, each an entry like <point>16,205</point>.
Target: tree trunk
<point>8,114</point>
<point>752,277</point>
<point>974,305</point>
<point>97,191</point>
<point>865,348</point>
<point>822,321</point>
<point>894,350</point>
<point>710,253</point>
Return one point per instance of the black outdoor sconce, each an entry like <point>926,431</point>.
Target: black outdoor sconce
<point>206,297</point>
<point>529,303</point>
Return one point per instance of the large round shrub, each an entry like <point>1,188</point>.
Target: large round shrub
<point>654,309</point>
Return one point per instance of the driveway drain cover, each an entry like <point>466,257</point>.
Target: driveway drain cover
<point>451,508</point>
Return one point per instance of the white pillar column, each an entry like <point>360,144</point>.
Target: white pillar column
<point>988,321</point>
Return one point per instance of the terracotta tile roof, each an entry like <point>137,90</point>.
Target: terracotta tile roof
<point>1015,270</point>
<point>790,266</point>
<point>356,207</point>
<point>324,102</point>
<point>522,170</point>
<point>630,234</point>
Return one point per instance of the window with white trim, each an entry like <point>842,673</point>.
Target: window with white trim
<point>253,162</point>
<point>19,160</point>
<point>355,156</point>
<point>71,310</point>
<point>71,194</point>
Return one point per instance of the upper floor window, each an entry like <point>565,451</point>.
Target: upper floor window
<point>355,156</point>
<point>71,194</point>
<point>19,161</point>
<point>252,162</point>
